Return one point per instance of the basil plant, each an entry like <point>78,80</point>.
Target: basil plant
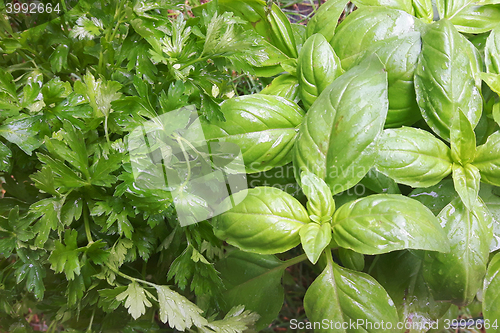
<point>400,100</point>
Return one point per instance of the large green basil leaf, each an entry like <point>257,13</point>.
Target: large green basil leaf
<point>444,80</point>
<point>400,273</point>
<point>424,10</point>
<point>467,181</point>
<point>267,221</point>
<point>243,274</point>
<point>436,197</point>
<point>336,138</point>
<point>477,19</point>
<point>492,52</point>
<point>491,290</point>
<point>383,223</point>
<point>315,238</point>
<point>493,81</point>
<point>456,276</point>
<point>286,86</point>
<point>263,126</point>
<point>399,56</point>
<point>320,203</point>
<point>413,157</point>
<point>326,18</point>
<point>462,139</point>
<point>404,5</point>
<point>317,67</point>
<point>488,160</point>
<point>450,8</point>
<point>344,296</point>
<point>281,31</point>
<point>491,198</point>
<point>368,25</point>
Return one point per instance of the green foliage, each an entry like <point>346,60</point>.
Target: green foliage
<point>374,146</point>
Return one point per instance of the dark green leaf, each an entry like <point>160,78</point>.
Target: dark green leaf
<point>23,132</point>
<point>5,156</point>
<point>64,258</point>
<point>59,58</point>
<point>352,260</point>
<point>244,273</point>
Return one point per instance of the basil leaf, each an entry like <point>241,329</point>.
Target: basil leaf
<point>424,10</point>
<point>267,221</point>
<point>352,260</point>
<point>492,80</point>
<point>450,8</point>
<point>400,273</point>
<point>263,126</point>
<point>326,18</point>
<point>413,157</point>
<point>281,31</point>
<point>477,19</point>
<point>488,160</point>
<point>368,25</point>
<point>320,202</point>
<point>466,180</point>
<point>242,274</point>
<point>492,52</point>
<point>383,223</point>
<point>403,5</point>
<point>336,138</point>
<point>315,238</point>
<point>491,290</point>
<point>444,79</point>
<point>286,86</point>
<point>379,183</point>
<point>399,56</point>
<point>435,197</point>
<point>491,198</point>
<point>463,139</point>
<point>345,296</point>
<point>317,67</point>
<point>456,276</point>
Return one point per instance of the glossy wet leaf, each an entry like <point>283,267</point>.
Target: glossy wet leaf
<point>400,273</point>
<point>403,5</point>
<point>413,157</point>
<point>325,20</point>
<point>5,156</point>
<point>399,55</point>
<point>436,197</point>
<point>477,19</point>
<point>320,203</point>
<point>492,80</point>
<point>488,160</point>
<point>336,138</point>
<point>23,133</point>
<point>444,81</point>
<point>341,295</point>
<point>7,85</point>
<point>451,8</point>
<point>31,270</point>
<point>243,273</point>
<point>315,238</point>
<point>317,67</point>
<point>424,10</point>
<point>383,223</point>
<point>463,139</point>
<point>491,198</point>
<point>267,221</point>
<point>263,126</point>
<point>367,26</point>
<point>285,85</point>
<point>65,257</point>
<point>491,290</point>
<point>467,182</point>
<point>379,183</point>
<point>492,52</point>
<point>456,276</point>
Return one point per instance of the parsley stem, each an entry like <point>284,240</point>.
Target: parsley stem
<point>86,223</point>
<point>128,277</point>
<point>186,157</point>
